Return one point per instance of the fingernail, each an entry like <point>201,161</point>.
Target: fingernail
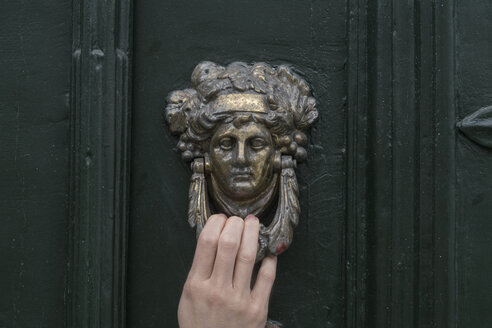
<point>251,217</point>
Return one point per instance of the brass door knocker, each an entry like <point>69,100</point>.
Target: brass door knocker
<point>242,126</point>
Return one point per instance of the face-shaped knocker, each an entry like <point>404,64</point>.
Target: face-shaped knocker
<point>243,127</point>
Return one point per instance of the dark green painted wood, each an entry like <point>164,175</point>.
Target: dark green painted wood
<point>34,148</point>
<point>392,169</point>
<point>395,230</point>
<point>170,39</point>
<point>404,236</point>
<point>444,172</point>
<point>474,168</point>
<point>100,137</point>
<point>356,167</point>
<point>411,164</point>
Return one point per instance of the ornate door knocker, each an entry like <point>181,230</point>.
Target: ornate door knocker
<point>243,127</point>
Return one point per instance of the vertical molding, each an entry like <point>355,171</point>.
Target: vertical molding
<point>445,165</point>
<point>356,216</point>
<point>425,108</point>
<point>411,173</point>
<point>435,106</point>
<point>380,197</point>
<point>100,140</point>
<point>405,154</point>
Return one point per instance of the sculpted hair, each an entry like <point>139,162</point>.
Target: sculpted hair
<point>291,108</point>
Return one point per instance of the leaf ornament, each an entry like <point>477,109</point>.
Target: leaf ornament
<point>198,208</point>
<point>281,230</point>
<point>478,126</point>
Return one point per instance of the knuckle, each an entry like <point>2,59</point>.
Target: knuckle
<point>267,275</point>
<point>257,312</point>
<point>236,303</point>
<point>246,257</point>
<point>207,240</point>
<point>190,288</point>
<point>252,223</point>
<point>228,242</point>
<point>215,297</point>
<point>236,220</point>
<point>217,217</point>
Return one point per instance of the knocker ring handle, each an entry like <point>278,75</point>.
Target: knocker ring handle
<point>274,238</point>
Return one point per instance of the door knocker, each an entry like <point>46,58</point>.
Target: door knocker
<point>243,128</point>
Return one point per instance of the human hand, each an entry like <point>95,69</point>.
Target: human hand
<point>217,292</point>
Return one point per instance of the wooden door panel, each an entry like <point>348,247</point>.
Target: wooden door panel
<point>34,161</point>
<point>395,195</point>
<point>473,168</point>
<point>312,38</point>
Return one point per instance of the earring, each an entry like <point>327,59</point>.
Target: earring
<point>277,160</point>
<point>198,208</point>
<point>279,234</point>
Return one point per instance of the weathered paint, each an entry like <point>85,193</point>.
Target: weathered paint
<point>170,39</point>
<point>35,42</point>
<point>395,230</point>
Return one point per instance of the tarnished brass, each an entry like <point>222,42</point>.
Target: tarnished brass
<point>242,126</point>
<point>247,103</point>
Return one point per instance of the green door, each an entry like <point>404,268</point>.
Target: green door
<point>396,194</point>
<point>310,287</point>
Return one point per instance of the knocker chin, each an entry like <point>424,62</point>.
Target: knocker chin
<point>243,127</point>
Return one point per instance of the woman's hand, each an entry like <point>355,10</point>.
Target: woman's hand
<point>217,292</point>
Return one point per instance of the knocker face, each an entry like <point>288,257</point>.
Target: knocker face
<point>241,159</point>
<point>242,127</point>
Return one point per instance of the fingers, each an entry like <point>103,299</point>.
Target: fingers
<point>246,256</point>
<point>264,282</point>
<point>227,250</point>
<point>206,248</point>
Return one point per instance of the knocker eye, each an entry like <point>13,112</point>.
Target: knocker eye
<point>226,143</point>
<point>257,143</point>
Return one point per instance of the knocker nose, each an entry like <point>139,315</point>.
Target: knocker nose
<point>240,157</point>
